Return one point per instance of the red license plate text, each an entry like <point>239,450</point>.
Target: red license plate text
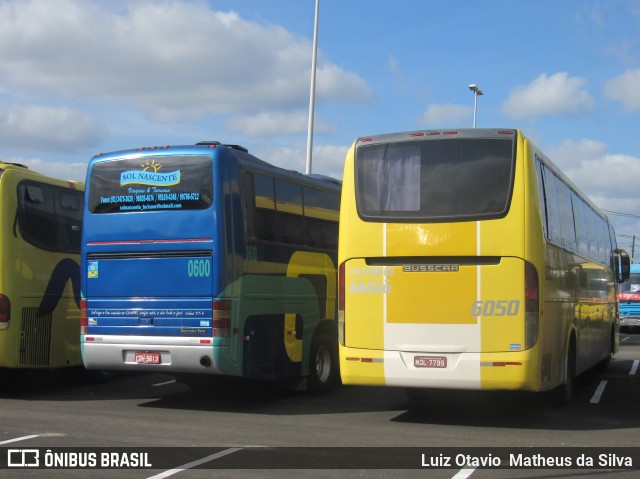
<point>430,361</point>
<point>146,357</point>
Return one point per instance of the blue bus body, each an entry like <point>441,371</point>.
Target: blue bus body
<point>182,271</point>
<point>629,300</point>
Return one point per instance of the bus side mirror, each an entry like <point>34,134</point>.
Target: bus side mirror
<point>622,265</point>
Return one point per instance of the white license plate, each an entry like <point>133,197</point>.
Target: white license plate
<point>146,357</point>
<point>430,361</point>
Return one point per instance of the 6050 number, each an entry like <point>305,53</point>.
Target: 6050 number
<point>501,307</point>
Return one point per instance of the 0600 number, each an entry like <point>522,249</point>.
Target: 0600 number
<point>199,268</point>
<point>495,308</point>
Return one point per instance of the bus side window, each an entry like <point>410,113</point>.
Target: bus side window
<point>289,211</point>
<point>321,212</point>
<point>567,227</point>
<point>553,213</point>
<point>50,217</point>
<point>36,216</point>
<point>248,205</point>
<point>543,201</point>
<point>265,208</point>
<point>68,220</point>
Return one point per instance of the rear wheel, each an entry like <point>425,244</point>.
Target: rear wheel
<point>564,393</point>
<point>323,365</point>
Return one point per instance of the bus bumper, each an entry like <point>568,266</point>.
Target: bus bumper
<point>129,353</point>
<point>470,371</point>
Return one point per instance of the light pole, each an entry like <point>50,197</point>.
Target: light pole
<point>476,91</point>
<point>312,90</point>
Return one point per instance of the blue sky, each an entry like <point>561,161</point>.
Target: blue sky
<point>79,77</point>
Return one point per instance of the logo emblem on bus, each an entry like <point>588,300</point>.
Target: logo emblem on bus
<point>430,268</point>
<point>149,175</point>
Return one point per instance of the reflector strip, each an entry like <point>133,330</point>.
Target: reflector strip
<point>501,363</point>
<point>151,241</point>
<point>366,360</point>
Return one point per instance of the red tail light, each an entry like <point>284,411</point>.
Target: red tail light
<point>341,288</point>
<point>83,316</point>
<point>221,318</point>
<point>5,309</point>
<point>531,306</point>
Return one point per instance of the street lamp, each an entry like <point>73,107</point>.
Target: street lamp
<point>312,90</point>
<point>476,91</point>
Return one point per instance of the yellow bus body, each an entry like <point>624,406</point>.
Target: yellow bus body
<point>42,327</point>
<point>442,304</point>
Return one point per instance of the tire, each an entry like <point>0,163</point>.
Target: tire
<point>564,393</point>
<point>323,364</point>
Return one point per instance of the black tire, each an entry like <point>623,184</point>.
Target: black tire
<point>323,364</point>
<point>564,393</point>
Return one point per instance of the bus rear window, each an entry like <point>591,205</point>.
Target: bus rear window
<point>435,180</point>
<point>154,183</point>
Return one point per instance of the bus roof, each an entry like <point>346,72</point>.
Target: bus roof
<point>207,147</point>
<point>448,133</point>
<point>473,133</point>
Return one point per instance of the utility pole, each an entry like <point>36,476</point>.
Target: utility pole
<point>312,90</point>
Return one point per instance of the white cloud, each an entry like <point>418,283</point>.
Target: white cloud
<point>326,160</point>
<point>625,89</point>
<point>609,180</point>
<point>48,128</point>
<point>176,60</point>
<point>570,152</point>
<point>56,169</point>
<point>445,115</point>
<point>274,123</point>
<point>557,94</point>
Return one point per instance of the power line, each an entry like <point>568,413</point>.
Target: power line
<point>617,213</point>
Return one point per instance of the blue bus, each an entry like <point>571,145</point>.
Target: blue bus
<point>205,260</point>
<point>629,301</point>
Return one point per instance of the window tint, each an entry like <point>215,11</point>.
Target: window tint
<point>50,217</point>
<point>155,183</point>
<point>582,212</point>
<point>285,212</point>
<point>265,208</point>
<point>567,229</point>
<point>543,202</point>
<point>553,212</point>
<point>435,180</point>
<point>321,215</point>
<point>289,212</point>
<point>571,222</point>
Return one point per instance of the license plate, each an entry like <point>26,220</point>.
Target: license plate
<point>430,361</point>
<point>147,358</point>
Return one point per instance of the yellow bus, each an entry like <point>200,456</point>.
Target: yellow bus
<point>469,261</point>
<point>40,231</point>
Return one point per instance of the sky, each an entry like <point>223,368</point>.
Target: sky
<point>81,77</point>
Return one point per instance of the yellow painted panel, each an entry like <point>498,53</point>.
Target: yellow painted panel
<point>364,306</point>
<point>436,239</point>
<point>502,305</point>
<point>431,297</point>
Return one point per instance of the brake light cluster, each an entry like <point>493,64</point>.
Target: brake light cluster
<point>532,305</point>
<point>341,304</point>
<point>5,311</point>
<point>221,318</point>
<point>83,316</point>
